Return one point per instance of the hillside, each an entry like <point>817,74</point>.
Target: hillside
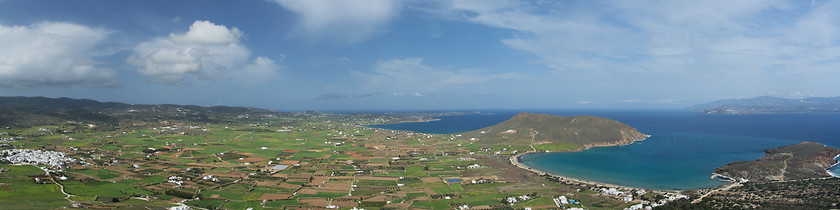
<point>770,105</point>
<point>556,133</point>
<point>792,162</point>
<point>30,111</point>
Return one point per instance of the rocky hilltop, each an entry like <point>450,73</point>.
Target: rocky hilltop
<point>556,133</point>
<point>799,161</point>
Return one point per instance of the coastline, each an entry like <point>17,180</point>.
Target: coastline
<point>837,164</point>
<point>406,121</point>
<point>514,159</point>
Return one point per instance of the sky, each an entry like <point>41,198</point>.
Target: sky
<point>420,55</point>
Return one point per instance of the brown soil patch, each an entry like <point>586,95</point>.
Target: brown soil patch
<point>379,198</point>
<point>430,179</point>
<point>345,185</point>
<point>290,162</point>
<point>266,184</point>
<point>274,196</point>
<point>313,201</point>
<point>307,191</point>
<point>344,204</point>
<point>318,181</point>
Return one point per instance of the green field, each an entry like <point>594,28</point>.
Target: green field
<point>17,191</point>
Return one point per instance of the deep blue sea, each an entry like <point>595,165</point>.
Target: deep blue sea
<point>683,151</point>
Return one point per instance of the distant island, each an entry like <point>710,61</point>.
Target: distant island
<point>551,133</point>
<point>771,105</point>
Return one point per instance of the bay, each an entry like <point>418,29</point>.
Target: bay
<point>683,151</point>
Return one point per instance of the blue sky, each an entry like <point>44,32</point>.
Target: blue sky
<point>419,55</point>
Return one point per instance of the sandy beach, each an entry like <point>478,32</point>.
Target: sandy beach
<point>515,161</point>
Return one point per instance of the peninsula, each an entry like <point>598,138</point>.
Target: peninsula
<point>549,133</point>
<point>799,161</point>
<point>788,177</point>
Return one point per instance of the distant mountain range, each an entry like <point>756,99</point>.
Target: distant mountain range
<point>770,105</point>
<point>31,111</point>
<point>84,114</point>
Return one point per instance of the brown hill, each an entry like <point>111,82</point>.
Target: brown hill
<point>799,161</point>
<point>556,133</point>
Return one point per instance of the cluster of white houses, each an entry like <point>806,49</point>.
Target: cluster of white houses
<point>38,157</point>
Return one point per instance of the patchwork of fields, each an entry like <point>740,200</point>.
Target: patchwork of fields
<point>279,163</point>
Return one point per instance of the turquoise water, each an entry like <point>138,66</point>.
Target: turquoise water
<point>683,151</point>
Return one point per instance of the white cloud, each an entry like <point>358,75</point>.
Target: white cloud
<point>411,74</point>
<point>343,21</point>
<point>670,101</point>
<point>630,101</point>
<point>728,47</point>
<point>407,94</point>
<point>52,54</point>
<point>207,51</point>
<point>260,71</point>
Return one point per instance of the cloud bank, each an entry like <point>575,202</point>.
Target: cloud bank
<point>52,54</point>
<point>725,46</point>
<point>208,52</point>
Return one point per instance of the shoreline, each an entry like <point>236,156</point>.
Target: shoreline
<point>404,121</point>
<point>828,170</point>
<point>514,159</point>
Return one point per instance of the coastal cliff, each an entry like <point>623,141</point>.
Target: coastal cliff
<point>799,161</point>
<point>556,133</point>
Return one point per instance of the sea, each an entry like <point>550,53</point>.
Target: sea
<point>684,148</point>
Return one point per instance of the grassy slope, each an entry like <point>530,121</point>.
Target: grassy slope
<point>24,193</point>
<point>561,133</point>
